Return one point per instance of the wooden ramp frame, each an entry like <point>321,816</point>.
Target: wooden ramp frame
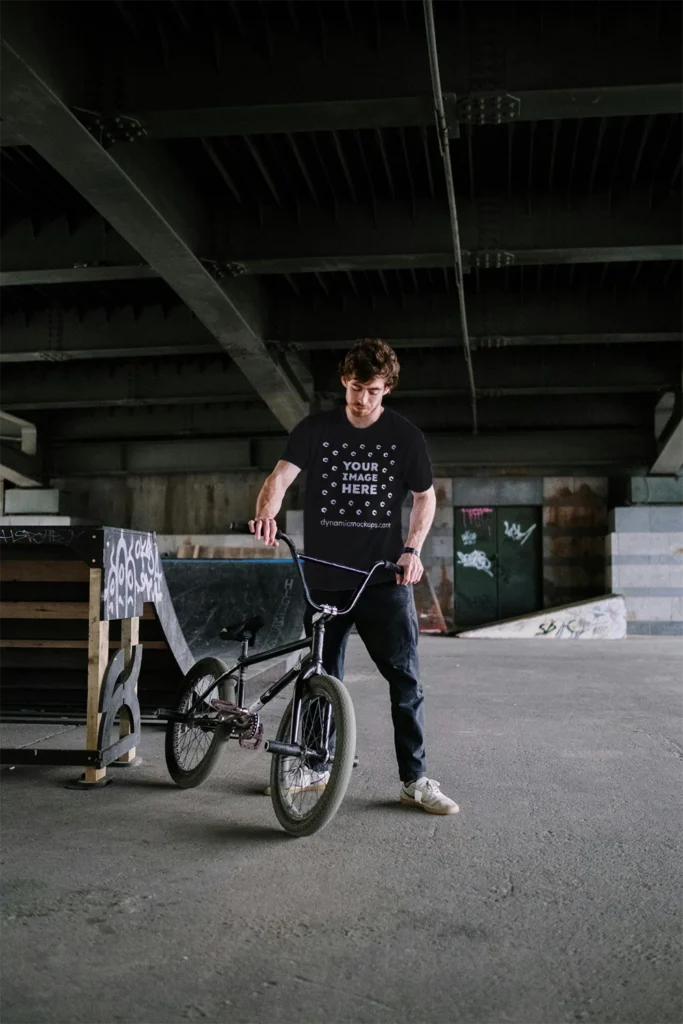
<point>125,582</point>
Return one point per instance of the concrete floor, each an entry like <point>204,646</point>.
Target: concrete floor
<point>554,895</point>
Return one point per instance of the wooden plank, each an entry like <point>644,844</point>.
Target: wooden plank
<point>98,653</point>
<point>130,637</point>
<point>153,645</point>
<point>43,572</point>
<point>44,609</point>
<point>52,609</point>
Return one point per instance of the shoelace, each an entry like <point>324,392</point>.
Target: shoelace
<point>433,787</point>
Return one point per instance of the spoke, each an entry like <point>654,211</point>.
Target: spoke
<point>191,743</point>
<point>293,771</point>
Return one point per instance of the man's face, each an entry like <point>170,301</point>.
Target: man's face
<point>364,398</point>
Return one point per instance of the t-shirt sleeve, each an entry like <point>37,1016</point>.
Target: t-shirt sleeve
<point>418,468</point>
<point>298,447</point>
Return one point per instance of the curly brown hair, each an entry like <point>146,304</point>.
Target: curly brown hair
<point>371,357</point>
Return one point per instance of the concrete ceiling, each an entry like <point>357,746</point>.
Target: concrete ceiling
<point>203,204</point>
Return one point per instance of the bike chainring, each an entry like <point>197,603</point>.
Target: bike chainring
<point>247,726</point>
<point>252,739</point>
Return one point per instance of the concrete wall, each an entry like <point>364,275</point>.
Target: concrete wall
<point>575,518</point>
<point>574,527</point>
<point>574,530</point>
<point>645,564</point>
<point>199,503</point>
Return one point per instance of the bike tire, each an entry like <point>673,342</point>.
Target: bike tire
<point>188,778</point>
<point>340,773</point>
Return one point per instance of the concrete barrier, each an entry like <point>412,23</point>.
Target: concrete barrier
<point>601,618</point>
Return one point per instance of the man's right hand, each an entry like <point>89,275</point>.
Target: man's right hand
<point>265,530</point>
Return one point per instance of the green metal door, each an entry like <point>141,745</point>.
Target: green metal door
<point>476,565</point>
<point>498,557</point>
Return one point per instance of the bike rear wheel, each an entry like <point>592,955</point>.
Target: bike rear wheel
<point>192,750</point>
<point>302,803</point>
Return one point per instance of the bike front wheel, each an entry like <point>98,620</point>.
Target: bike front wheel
<point>307,796</point>
<point>191,749</point>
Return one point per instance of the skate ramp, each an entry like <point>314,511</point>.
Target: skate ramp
<point>600,618</point>
<point>182,606</point>
<point>209,594</point>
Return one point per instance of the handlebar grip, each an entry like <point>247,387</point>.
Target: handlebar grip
<point>243,527</point>
<point>239,527</point>
<point>392,567</point>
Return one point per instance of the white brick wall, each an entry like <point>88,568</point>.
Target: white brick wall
<point>647,568</point>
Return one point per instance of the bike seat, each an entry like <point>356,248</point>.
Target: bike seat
<point>246,629</point>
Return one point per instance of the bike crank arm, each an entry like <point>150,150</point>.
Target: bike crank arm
<point>293,750</point>
<point>180,718</point>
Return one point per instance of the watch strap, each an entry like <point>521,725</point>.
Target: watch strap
<point>411,551</point>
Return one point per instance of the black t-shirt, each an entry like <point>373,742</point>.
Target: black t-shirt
<point>357,482</point>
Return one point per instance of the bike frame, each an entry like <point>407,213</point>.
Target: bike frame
<point>312,665</point>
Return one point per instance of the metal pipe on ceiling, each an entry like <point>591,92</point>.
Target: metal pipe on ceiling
<point>442,132</point>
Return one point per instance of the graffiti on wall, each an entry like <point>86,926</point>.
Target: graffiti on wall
<point>468,538</point>
<point>475,560</point>
<point>474,516</point>
<point>514,531</point>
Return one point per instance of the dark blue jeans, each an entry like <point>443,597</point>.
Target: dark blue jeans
<point>386,621</point>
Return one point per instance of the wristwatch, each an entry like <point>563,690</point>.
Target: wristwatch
<point>411,551</point>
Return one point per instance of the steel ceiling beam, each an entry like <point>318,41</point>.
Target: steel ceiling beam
<point>495,231</point>
<point>142,382</point>
<point>250,419</point>
<point>606,101</point>
<point>61,252</point>
<point>495,316</point>
<point>489,341</point>
<point>292,117</point>
<point>519,371</point>
<point>408,111</point>
<point>483,259</point>
<point>142,194</point>
<point>78,274</point>
<point>526,371</point>
<point>578,76</point>
<point>234,419</point>
<point>268,118</point>
<point>58,335</point>
<point>573,452</point>
<point>495,228</point>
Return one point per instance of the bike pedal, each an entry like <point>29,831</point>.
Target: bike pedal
<point>223,706</point>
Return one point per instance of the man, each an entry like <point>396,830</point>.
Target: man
<point>362,460</point>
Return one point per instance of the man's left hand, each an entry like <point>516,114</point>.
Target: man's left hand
<point>412,569</point>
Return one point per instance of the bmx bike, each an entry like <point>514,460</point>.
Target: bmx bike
<point>314,749</point>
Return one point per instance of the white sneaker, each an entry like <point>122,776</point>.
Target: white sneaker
<point>306,781</point>
<point>425,793</point>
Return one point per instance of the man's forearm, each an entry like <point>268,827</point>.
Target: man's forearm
<point>271,496</point>
<point>421,519</point>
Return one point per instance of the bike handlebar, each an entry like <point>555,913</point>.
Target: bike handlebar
<point>243,527</point>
